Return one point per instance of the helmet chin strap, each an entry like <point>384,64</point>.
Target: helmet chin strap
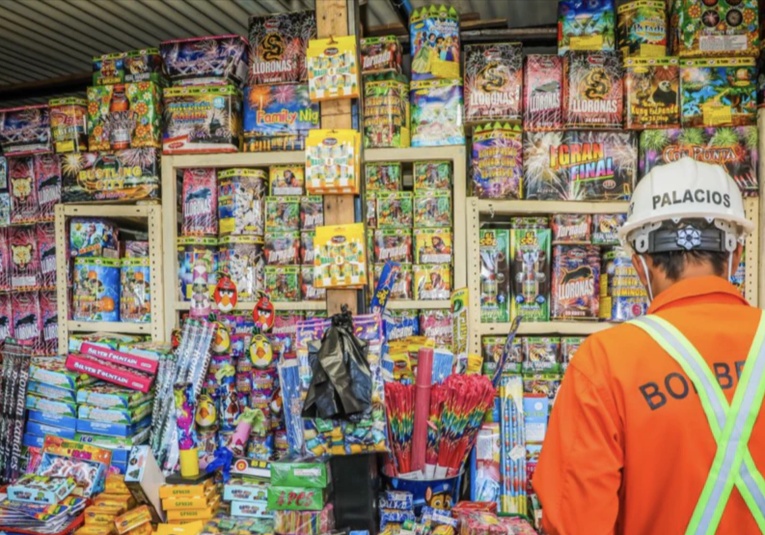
<point>647,278</point>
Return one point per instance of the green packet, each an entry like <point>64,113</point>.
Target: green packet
<point>112,397</point>
<point>296,498</point>
<point>300,473</point>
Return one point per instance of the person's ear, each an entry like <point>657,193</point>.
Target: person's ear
<point>640,269</point>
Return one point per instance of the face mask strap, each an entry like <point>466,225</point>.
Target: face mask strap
<point>647,278</point>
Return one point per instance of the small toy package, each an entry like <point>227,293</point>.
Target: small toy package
<point>543,92</point>
<point>432,175</point>
<point>394,210</point>
<point>200,61</point>
<point>333,70</point>
<point>432,281</point>
<point>386,111</point>
<point>494,249</point>
<point>25,259</point>
<point>402,288</point>
<point>432,246</point>
<point>497,161</point>
<point>25,206</point>
<point>652,89</point>
<point>436,110</point>
<point>200,201</point>
<point>241,194</point>
<point>124,116</point>
<point>493,82</point>
<point>435,42</point>
<point>605,228</point>
<point>432,209</point>
<point>282,248</point>
<point>341,259</point>
<point>282,214</point>
<point>309,291</point>
<point>283,283</point>
<point>311,212</point>
<point>96,289</point>
<point>135,284</point>
<point>47,185</point>
<point>85,463</point>
<point>286,179</point>
<point>384,176</point>
<point>380,54</point>
<point>586,25</point>
<point>575,292</point>
<point>332,162</point>
<point>642,28</point>
<point>307,252</point>
<point>202,120</point>
<point>25,130</point>
<point>46,249</point>
<point>571,228</point>
<point>134,66</point>
<point>68,124</point>
<point>593,90</point>
<point>718,92</point>
<point>243,259</point>
<point>278,46</point>
<point>708,28</point>
<point>393,244</point>
<point>278,117</point>
<point>530,254</point>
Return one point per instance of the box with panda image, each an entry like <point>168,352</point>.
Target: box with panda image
<point>651,87</point>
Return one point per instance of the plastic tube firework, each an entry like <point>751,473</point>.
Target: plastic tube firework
<point>185,409</point>
<point>399,400</point>
<point>421,407</point>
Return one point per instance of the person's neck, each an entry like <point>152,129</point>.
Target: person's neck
<point>691,271</point>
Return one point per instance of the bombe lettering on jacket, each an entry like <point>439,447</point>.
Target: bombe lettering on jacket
<point>698,195</point>
<point>677,386</point>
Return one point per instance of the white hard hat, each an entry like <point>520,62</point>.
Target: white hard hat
<point>681,190</point>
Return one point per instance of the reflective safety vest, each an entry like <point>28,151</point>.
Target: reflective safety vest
<point>731,425</point>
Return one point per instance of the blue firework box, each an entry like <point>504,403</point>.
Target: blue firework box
<point>112,429</point>
<point>49,406</point>
<point>51,392</point>
<point>52,419</point>
<point>111,397</point>
<point>41,430</point>
<point>245,489</point>
<point>115,415</point>
<point>278,117</point>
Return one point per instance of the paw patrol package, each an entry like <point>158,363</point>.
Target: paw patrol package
<point>708,28</point>
<point>651,88</point>
<point>530,256</point>
<point>286,179</point>
<point>543,92</point>
<point>575,292</point>
<point>493,82</point>
<point>25,130</point>
<point>432,281</point>
<point>241,194</point>
<point>435,42</point>
<point>593,91</point>
<point>278,46</point>
<point>497,162</point>
<point>718,92</point>
<point>586,25</point>
<point>436,109</point>
<point>642,28</point>
<point>494,249</point>
<point>341,259</point>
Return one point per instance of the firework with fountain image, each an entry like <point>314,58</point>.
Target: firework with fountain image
<point>493,80</point>
<point>202,120</point>
<point>278,45</point>
<point>201,61</point>
<point>542,92</point>
<point>278,117</point>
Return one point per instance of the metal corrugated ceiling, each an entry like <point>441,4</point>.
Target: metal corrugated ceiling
<point>43,39</point>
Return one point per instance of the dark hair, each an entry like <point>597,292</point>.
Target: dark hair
<point>673,263</point>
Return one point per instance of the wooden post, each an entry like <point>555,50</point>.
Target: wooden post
<point>332,18</point>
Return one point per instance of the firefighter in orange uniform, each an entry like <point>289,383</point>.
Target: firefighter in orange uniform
<point>656,427</point>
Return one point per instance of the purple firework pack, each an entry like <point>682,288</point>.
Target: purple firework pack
<point>575,282</point>
<point>200,202</point>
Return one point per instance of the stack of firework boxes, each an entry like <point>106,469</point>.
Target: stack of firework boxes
<point>184,502</point>
<point>299,495</point>
<point>247,490</point>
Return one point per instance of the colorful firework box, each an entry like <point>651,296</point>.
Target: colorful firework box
<point>530,257</point>
<point>124,116</point>
<point>48,185</point>
<point>707,28</point>
<point>579,165</point>
<point>332,162</point>
<point>93,237</point>
<point>622,295</point>
<point>341,258</point>
<point>282,283</point>
<point>432,209</point>
<point>394,210</point>
<point>202,120</point>
<point>23,190</point>
<point>436,325</point>
<point>69,124</point>
<point>25,259</point>
<point>575,282</point>
<point>333,71</point>
<point>286,179</point>
<point>196,256</point>
<point>200,202</point>
<point>718,92</point>
<point>25,130</point>
<point>125,67</point>
<point>241,194</point>
<point>278,117</point>
<point>432,175</point>
<point>311,212</point>
<point>493,81</point>
<point>5,262</point>
<point>26,319</point>
<point>642,28</point>
<point>586,25</point>
<point>385,176</point>
<point>435,42</point>
<point>494,249</point>
<point>651,87</point>
<point>307,252</point>
<point>124,175</point>
<point>380,54</point>
<point>282,248</point>
<point>734,148</point>
<point>212,60</point>
<point>135,290</point>
<point>605,228</point>
<point>433,246</point>
<point>593,90</point>
<point>436,109</point>
<point>278,45</point>
<point>402,287</point>
<point>432,282</point>
<point>308,289</point>
<point>497,161</point>
<point>393,244</point>
<point>543,92</point>
<point>283,213</point>
<point>571,228</point>
<point>96,289</point>
<point>386,111</point>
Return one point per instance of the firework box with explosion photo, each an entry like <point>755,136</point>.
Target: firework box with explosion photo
<point>493,81</point>
<point>575,282</point>
<point>734,148</point>
<point>436,112</point>
<point>593,90</point>
<point>213,60</point>
<point>435,39</point>
<point>579,165</point>
<point>386,111</point>
<point>715,28</point>
<point>278,45</point>
<point>651,87</point>
<point>123,175</point>
<point>494,248</point>
<point>497,164</point>
<point>202,120</point>
<point>642,28</point>
<point>542,92</point>
<point>25,130</point>
<point>278,117</point>
<point>586,25</point>
<point>124,116</point>
<point>718,92</point>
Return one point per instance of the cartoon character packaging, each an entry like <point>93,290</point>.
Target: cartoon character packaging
<point>386,111</point>
<point>282,248</point>
<point>134,66</point>
<point>575,292</point>
<point>394,210</point>
<point>432,281</point>
<point>380,54</point>
<point>48,185</point>
<point>124,116</point>
<point>311,212</point>
<point>309,291</point>
<point>333,70</point>
<point>286,179</point>
<point>283,283</point>
<point>135,297</point>
<point>707,28</point>
<point>435,41</point>
<point>25,259</point>
<point>385,176</point>
<point>432,175</point>
<point>282,213</point>
<point>651,88</point>
<point>202,119</point>
<point>734,148</point>
<point>200,201</point>
<point>530,257</point>
<point>242,258</point>
<point>93,237</point>
<point>332,161</point>
<point>278,46</point>
<point>593,91</point>
<point>197,259</point>
<point>96,289</point>
<point>432,246</point>
<point>433,209</point>
<point>718,92</point>
<point>642,28</point>
<point>586,25</point>
<point>23,188</point>
<point>497,161</point>
<point>493,82</point>
<point>341,259</point>
<point>25,130</point>
<point>68,124</point>
<point>46,248</point>
<point>436,109</point>
<point>402,288</point>
<point>393,244</point>
<point>212,60</point>
<point>241,194</point>
<point>494,249</point>
<point>543,92</point>
<point>278,117</point>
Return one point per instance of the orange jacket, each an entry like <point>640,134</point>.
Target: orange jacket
<point>629,448</point>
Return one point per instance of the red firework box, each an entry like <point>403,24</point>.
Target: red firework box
<point>575,282</point>
<point>26,319</point>
<point>23,188</point>
<point>493,81</point>
<point>129,360</point>
<point>49,320</point>
<point>6,316</point>
<point>593,90</point>
<point>111,373</point>
<point>278,45</point>
<point>5,260</point>
<point>571,228</point>
<point>380,54</point>
<point>542,92</point>
<point>25,260</point>
<point>200,202</point>
<point>48,185</point>
<point>46,249</point>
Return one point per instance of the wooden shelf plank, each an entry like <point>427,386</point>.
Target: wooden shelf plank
<point>568,328</point>
<point>183,306</point>
<point>108,326</point>
<point>550,207</point>
<point>442,304</point>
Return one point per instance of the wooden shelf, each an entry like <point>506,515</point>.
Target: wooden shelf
<point>550,207</point>
<point>183,306</point>
<point>568,328</point>
<point>108,326</point>
<point>414,154</point>
<point>238,159</point>
<point>442,304</point>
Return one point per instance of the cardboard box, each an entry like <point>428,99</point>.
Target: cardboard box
<point>296,498</point>
<point>298,473</point>
<point>530,256</point>
<point>705,28</point>
<point>145,480</point>
<point>718,92</point>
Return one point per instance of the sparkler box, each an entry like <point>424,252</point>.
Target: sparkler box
<point>212,60</point>
<point>493,81</point>
<point>111,397</point>
<point>202,120</point>
<point>703,29</point>
<point>109,372</point>
<point>51,392</point>
<point>124,116</point>
<point>278,117</point>
<point>254,509</point>
<point>129,360</point>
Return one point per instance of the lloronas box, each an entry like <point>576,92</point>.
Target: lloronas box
<point>593,92</point>
<point>642,28</point>
<point>493,81</point>
<point>734,148</point>
<point>652,89</point>
<point>124,116</point>
<point>211,60</point>
<point>586,25</point>
<point>703,28</point>
<point>25,130</point>
<point>278,117</point>
<point>497,162</point>
<point>143,65</point>
<point>435,41</point>
<point>202,119</point>
<point>575,282</point>
<point>718,92</point>
<point>278,45</point>
<point>579,165</point>
<point>530,257</point>
<point>494,249</point>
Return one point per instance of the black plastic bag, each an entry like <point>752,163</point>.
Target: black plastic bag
<point>341,386</point>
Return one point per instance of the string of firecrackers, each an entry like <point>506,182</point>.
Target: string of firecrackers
<point>399,402</point>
